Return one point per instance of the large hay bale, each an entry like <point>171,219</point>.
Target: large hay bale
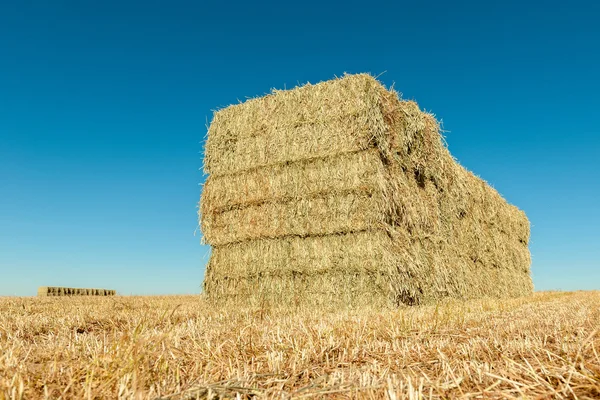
<point>341,191</point>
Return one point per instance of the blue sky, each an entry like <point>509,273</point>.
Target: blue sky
<point>103,107</point>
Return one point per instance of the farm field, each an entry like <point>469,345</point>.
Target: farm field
<point>180,347</point>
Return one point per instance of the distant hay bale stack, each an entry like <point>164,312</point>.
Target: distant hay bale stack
<point>64,291</point>
<point>342,192</point>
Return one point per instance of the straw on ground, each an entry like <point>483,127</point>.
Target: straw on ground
<point>543,346</point>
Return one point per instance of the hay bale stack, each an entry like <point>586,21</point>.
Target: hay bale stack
<point>341,191</point>
<point>64,291</point>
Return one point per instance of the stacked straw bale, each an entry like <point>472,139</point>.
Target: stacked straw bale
<point>64,291</point>
<point>342,192</point>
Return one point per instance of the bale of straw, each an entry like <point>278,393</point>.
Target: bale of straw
<point>341,190</point>
<point>316,216</point>
<point>361,171</point>
<point>65,291</point>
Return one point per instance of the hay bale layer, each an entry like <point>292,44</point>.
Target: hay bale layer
<point>342,191</point>
<point>362,171</point>
<point>64,291</point>
<point>304,217</point>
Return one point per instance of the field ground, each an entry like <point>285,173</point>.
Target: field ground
<point>179,347</point>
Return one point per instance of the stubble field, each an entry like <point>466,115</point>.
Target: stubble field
<point>180,347</point>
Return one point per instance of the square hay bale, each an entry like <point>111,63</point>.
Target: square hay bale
<point>342,192</point>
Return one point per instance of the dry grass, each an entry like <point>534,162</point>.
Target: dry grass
<point>543,346</point>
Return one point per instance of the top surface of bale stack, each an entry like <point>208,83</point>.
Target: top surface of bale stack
<point>341,191</point>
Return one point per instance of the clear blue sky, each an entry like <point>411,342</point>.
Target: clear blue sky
<point>103,107</point>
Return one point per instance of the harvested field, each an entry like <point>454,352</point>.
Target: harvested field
<point>546,345</point>
<point>343,177</point>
